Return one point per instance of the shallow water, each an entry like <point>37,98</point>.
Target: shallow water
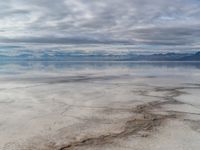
<point>22,68</point>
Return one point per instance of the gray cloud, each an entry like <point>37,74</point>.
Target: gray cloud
<point>136,22</point>
<point>63,40</point>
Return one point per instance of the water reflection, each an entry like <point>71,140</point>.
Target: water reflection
<point>10,67</point>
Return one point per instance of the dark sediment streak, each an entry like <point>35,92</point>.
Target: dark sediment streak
<point>147,122</point>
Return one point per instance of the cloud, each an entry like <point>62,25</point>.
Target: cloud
<point>168,35</point>
<point>62,40</point>
<point>136,22</point>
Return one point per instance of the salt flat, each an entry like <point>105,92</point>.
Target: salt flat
<point>99,106</point>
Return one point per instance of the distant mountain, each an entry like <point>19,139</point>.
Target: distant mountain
<point>195,57</point>
<point>101,56</point>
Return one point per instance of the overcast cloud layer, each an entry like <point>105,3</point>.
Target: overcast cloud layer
<point>143,23</point>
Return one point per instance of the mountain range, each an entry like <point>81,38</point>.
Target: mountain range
<point>98,56</point>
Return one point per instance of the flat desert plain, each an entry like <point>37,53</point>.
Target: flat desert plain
<point>100,106</point>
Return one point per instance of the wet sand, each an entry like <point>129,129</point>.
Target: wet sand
<point>107,109</point>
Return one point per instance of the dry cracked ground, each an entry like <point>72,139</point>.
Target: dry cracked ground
<point>108,109</point>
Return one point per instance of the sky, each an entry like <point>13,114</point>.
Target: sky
<point>141,25</point>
